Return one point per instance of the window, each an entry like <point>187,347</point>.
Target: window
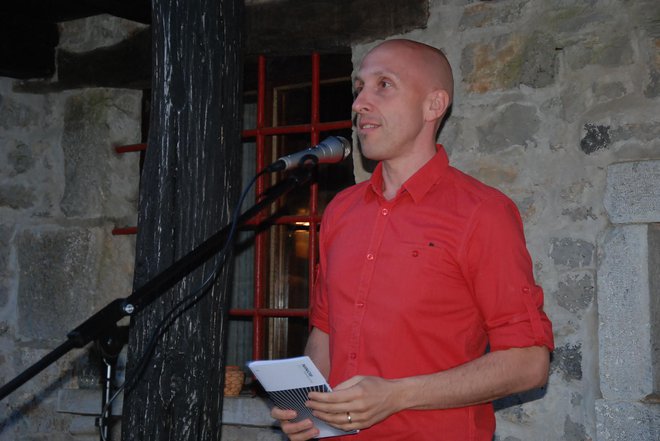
<point>290,103</point>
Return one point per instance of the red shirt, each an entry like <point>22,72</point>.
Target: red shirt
<point>423,283</point>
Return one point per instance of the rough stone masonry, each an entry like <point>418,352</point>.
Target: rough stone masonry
<point>557,104</point>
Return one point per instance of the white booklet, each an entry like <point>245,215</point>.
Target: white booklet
<point>288,381</point>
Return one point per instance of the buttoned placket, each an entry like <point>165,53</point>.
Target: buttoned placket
<point>360,306</point>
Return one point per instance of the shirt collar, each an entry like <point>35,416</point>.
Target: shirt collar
<point>419,183</point>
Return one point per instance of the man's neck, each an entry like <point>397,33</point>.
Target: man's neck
<point>397,171</point>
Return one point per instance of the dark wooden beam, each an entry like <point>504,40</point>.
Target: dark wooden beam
<point>190,185</point>
<point>29,37</point>
<point>56,11</point>
<point>27,47</point>
<point>289,27</point>
<point>301,26</point>
<point>126,65</point>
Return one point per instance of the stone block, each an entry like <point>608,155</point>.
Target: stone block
<point>617,421</point>
<point>16,113</point>
<point>632,193</point>
<point>654,288</point>
<point>508,62</point>
<point>566,17</point>
<point>574,431</point>
<point>485,14</point>
<point>575,292</point>
<point>242,433</point>
<point>21,159</point>
<point>652,89</point>
<point>645,133</point>
<point>606,92</point>
<point>567,360</point>
<point>97,181</point>
<point>514,125</point>
<point>83,428</point>
<point>612,50</point>
<point>596,137</point>
<point>89,33</point>
<point>625,341</point>
<point>57,280</point>
<point>16,197</point>
<point>571,254</point>
<point>246,411</point>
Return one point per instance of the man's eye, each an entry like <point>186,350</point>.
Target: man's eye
<point>385,84</point>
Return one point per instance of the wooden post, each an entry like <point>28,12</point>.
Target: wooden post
<point>190,184</point>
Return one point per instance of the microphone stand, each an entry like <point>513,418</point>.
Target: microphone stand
<point>104,323</point>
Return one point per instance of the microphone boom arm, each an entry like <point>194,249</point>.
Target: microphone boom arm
<point>103,321</point>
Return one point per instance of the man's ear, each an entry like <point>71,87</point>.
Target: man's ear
<point>438,103</point>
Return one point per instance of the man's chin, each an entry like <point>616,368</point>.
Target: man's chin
<point>367,147</point>
<point>368,153</point>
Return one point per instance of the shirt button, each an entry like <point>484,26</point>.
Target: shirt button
<point>385,211</point>
<point>360,304</point>
<point>415,253</point>
<point>370,256</point>
<point>526,290</point>
<point>353,355</point>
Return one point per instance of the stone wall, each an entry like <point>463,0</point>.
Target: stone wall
<point>557,104</point>
<point>548,96</point>
<point>62,191</point>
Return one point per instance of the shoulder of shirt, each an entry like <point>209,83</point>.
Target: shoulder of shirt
<point>464,184</point>
<point>474,189</point>
<point>345,198</point>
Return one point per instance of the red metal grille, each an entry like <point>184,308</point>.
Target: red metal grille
<point>314,128</point>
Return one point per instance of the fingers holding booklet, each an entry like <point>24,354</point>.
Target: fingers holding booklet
<point>295,431</point>
<point>288,383</point>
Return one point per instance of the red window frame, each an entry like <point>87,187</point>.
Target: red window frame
<point>259,312</point>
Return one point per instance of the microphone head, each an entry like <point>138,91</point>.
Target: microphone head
<point>335,148</point>
<point>331,150</point>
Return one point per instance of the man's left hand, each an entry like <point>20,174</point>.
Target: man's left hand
<point>357,403</point>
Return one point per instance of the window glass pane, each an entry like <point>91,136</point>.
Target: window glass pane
<point>286,336</point>
<point>239,341</point>
<point>290,78</point>
<point>289,269</point>
<point>293,105</point>
<point>336,98</point>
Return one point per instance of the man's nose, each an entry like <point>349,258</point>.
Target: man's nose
<point>361,103</point>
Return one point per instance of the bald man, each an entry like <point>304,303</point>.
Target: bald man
<point>425,307</point>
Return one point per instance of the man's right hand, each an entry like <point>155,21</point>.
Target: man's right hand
<point>299,431</point>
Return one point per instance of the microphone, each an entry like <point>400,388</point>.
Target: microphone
<point>332,149</point>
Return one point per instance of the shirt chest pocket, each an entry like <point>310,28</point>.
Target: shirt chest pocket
<point>428,260</point>
<point>425,271</point>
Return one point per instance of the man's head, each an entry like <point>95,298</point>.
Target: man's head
<point>403,90</point>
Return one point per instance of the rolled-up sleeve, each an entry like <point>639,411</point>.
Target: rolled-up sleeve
<point>499,270</point>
